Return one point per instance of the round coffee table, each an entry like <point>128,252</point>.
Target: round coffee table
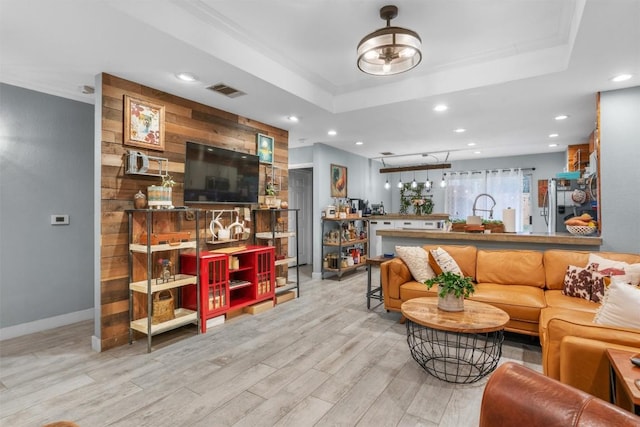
<point>457,347</point>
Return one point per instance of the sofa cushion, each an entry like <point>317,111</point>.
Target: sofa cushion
<point>521,302</point>
<point>556,262</point>
<point>413,289</point>
<point>555,298</point>
<point>417,259</point>
<point>441,262</point>
<point>620,306</point>
<point>510,267</point>
<point>465,257</point>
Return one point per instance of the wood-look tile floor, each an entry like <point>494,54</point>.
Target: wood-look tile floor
<point>320,360</point>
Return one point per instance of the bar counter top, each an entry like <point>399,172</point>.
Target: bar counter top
<point>535,238</point>
<point>429,217</point>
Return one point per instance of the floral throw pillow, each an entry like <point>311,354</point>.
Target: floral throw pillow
<point>578,282</point>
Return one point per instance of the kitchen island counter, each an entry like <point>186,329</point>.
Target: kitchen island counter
<point>535,241</point>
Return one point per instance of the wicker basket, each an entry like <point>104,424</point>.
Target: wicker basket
<point>163,307</point>
<point>581,230</point>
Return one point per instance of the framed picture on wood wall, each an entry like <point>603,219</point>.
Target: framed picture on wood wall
<point>143,123</point>
<point>338,181</point>
<point>264,148</point>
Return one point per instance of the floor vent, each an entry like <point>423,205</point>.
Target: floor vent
<point>225,90</point>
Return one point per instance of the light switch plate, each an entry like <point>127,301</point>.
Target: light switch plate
<point>59,219</point>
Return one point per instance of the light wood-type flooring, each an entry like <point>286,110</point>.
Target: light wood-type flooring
<point>320,360</point>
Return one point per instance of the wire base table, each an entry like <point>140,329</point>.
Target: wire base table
<point>458,347</point>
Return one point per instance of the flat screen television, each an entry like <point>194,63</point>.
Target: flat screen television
<point>217,175</point>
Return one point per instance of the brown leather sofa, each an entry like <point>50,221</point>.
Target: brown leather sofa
<point>528,286</point>
<point>518,396</point>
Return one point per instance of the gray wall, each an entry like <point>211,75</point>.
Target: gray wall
<point>620,169</point>
<point>46,167</point>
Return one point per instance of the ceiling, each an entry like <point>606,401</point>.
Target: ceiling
<point>504,68</point>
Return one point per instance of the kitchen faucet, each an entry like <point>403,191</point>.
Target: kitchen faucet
<point>490,210</point>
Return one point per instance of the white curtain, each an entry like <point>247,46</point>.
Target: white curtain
<point>505,186</point>
<point>460,192</point>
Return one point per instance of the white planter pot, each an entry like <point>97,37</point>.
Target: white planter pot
<point>451,303</point>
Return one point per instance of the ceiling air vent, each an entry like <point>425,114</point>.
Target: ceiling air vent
<point>225,90</point>
<point>387,153</point>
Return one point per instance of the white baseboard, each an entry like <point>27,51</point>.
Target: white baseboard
<point>45,324</point>
<point>96,344</point>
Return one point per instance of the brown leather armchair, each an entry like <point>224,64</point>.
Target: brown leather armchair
<point>518,396</point>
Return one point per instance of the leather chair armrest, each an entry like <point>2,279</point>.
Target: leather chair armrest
<point>393,273</point>
<point>518,396</point>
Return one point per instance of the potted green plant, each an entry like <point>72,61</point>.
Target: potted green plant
<point>452,290</point>
<point>270,195</point>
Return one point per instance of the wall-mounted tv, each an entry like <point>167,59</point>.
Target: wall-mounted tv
<point>217,175</point>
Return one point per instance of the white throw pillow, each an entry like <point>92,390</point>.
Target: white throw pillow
<point>609,267</point>
<point>417,260</point>
<point>620,306</point>
<point>442,262</point>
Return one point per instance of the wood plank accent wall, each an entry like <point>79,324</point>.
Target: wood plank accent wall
<point>185,121</point>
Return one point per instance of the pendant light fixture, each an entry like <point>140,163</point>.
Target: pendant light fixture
<point>400,184</point>
<point>428,184</point>
<point>389,50</point>
<point>443,183</point>
<point>414,184</point>
<point>387,185</point>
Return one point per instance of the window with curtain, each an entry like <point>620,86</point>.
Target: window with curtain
<point>504,185</point>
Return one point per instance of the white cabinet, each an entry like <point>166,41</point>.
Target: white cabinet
<point>375,241</point>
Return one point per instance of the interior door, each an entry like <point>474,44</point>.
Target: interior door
<point>300,197</point>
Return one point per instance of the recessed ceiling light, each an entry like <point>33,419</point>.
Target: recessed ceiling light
<point>460,130</point>
<point>553,145</point>
<point>561,117</point>
<point>553,135</point>
<point>332,133</point>
<point>294,119</point>
<point>187,77</point>
<point>471,144</point>
<point>440,107</point>
<point>477,152</point>
<point>359,142</point>
<point>621,78</point>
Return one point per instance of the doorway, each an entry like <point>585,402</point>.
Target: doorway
<point>300,197</point>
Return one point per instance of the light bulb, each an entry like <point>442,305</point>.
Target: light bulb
<point>400,184</point>
<point>428,185</point>
<point>443,183</point>
<point>414,184</point>
<point>386,67</point>
<point>387,185</point>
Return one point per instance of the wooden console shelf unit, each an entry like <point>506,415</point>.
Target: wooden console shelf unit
<point>340,234</point>
<point>146,275</point>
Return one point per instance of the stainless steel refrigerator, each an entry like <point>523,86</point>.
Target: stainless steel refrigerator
<point>566,198</point>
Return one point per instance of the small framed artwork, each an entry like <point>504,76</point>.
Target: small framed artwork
<point>143,123</point>
<point>338,181</point>
<point>264,148</point>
